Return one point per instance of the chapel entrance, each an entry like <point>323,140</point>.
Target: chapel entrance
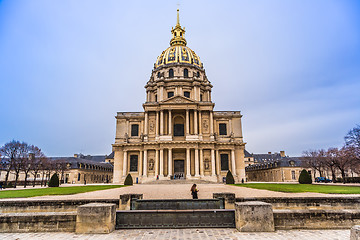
<point>179,170</point>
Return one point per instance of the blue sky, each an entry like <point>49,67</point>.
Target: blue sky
<point>291,67</point>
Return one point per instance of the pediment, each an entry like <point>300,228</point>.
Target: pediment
<point>178,99</point>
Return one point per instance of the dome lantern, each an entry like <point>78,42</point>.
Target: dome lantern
<point>178,34</point>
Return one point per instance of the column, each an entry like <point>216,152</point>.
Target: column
<point>161,162</point>
<point>161,122</point>
<point>196,162</point>
<point>200,126</point>
<point>157,123</point>
<point>188,162</point>
<point>211,123</point>
<point>125,163</point>
<point>140,163</point>
<point>146,124</point>
<point>230,128</point>
<point>201,162</point>
<point>195,122</point>
<point>145,164</point>
<point>213,162</point>
<point>217,158</point>
<point>187,123</point>
<point>127,127</point>
<point>170,123</point>
<point>233,166</point>
<point>156,163</point>
<point>170,162</point>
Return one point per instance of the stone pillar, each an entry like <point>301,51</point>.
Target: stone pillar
<point>161,122</point>
<point>200,125</point>
<point>201,162</point>
<point>211,123</point>
<point>157,123</point>
<point>96,218</point>
<point>146,124</point>
<point>229,199</point>
<point>196,162</point>
<point>213,162</point>
<point>170,123</point>
<point>195,122</point>
<point>355,233</point>
<point>140,163</point>
<point>233,166</point>
<point>187,123</point>
<point>125,163</point>
<point>188,162</point>
<point>156,163</point>
<point>170,162</point>
<point>145,164</point>
<point>254,216</point>
<point>125,200</point>
<point>217,159</point>
<point>161,162</point>
<point>118,166</point>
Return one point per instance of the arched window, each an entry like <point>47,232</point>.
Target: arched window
<point>171,72</point>
<point>198,74</point>
<point>158,75</point>
<point>155,98</point>
<point>186,73</point>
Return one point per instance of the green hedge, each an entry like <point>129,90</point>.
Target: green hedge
<point>128,180</point>
<point>305,177</point>
<point>54,181</point>
<point>229,178</point>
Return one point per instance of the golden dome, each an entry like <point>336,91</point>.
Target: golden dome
<point>178,52</point>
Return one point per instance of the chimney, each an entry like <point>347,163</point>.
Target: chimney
<point>282,153</point>
<point>269,153</point>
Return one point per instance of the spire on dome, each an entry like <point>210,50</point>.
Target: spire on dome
<point>178,34</point>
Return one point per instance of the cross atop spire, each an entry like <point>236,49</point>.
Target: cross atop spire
<point>178,33</point>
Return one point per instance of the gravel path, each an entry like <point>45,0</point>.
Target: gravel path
<point>182,191</point>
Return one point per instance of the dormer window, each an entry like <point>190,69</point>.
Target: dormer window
<point>170,94</point>
<point>187,94</point>
<point>186,73</point>
<point>171,72</point>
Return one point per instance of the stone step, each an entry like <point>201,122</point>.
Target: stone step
<point>180,181</point>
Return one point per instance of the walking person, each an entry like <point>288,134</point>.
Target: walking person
<point>194,192</point>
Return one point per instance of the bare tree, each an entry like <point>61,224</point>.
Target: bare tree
<point>345,159</point>
<point>314,160</point>
<point>352,139</point>
<point>330,161</point>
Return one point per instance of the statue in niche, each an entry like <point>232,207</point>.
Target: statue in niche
<point>151,165</point>
<point>207,164</point>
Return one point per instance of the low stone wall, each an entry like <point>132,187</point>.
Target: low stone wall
<point>175,218</point>
<point>21,206</point>
<point>38,222</point>
<point>330,203</point>
<point>316,219</point>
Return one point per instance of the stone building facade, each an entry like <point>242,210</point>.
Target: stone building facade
<point>179,134</point>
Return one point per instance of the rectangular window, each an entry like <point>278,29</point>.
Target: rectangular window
<point>133,163</point>
<point>135,130</point>
<point>187,94</point>
<point>222,129</point>
<point>178,130</point>
<point>293,175</point>
<point>79,176</point>
<point>224,162</point>
<point>170,94</point>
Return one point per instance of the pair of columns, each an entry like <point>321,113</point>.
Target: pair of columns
<point>159,162</point>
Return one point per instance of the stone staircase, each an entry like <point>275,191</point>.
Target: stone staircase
<point>181,181</point>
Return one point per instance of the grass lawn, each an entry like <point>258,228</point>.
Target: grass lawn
<point>54,191</point>
<point>297,188</point>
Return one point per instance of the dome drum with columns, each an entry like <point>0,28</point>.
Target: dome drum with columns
<point>179,135</point>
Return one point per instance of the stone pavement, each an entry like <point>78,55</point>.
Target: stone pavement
<point>181,191</point>
<point>186,234</point>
